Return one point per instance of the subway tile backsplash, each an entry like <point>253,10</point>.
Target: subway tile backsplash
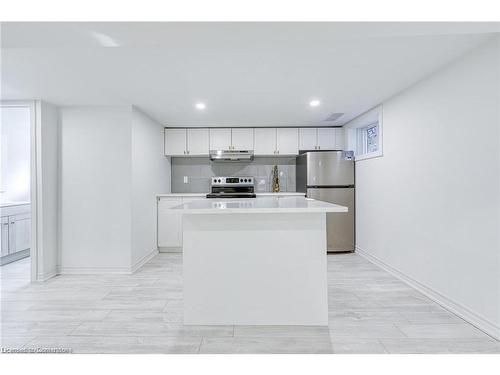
<point>198,171</point>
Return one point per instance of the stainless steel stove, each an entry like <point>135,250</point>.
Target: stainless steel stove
<point>232,187</point>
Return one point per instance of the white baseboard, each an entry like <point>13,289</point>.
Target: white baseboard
<point>170,249</point>
<point>146,258</point>
<point>46,275</point>
<point>456,308</point>
<point>94,270</point>
<point>108,270</point>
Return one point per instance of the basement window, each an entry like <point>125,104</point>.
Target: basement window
<point>368,139</point>
<point>364,134</point>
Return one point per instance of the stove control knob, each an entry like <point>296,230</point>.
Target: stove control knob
<point>219,180</point>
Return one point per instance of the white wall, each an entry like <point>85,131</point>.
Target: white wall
<point>430,207</point>
<point>47,143</point>
<point>15,127</point>
<point>96,189</point>
<point>150,176</point>
<point>112,166</point>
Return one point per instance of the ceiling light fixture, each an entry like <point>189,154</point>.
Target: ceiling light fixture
<point>200,106</point>
<point>314,103</point>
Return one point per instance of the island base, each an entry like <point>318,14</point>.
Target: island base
<point>255,269</point>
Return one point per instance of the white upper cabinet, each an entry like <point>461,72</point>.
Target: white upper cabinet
<point>308,138</point>
<point>339,138</point>
<point>242,138</point>
<point>220,139</point>
<point>175,142</point>
<point>197,142</point>
<point>326,138</point>
<point>321,139</point>
<point>287,141</point>
<point>265,141</point>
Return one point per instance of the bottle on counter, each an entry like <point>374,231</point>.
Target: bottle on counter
<point>275,180</point>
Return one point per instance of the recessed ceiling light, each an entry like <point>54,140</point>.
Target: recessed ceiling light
<point>314,103</point>
<point>200,106</point>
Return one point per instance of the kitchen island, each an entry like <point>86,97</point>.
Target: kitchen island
<point>255,261</point>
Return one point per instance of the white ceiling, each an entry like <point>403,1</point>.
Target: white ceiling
<point>253,74</point>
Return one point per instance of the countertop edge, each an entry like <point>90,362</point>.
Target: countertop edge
<point>180,195</point>
<point>193,211</point>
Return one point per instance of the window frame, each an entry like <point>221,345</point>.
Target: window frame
<point>359,127</point>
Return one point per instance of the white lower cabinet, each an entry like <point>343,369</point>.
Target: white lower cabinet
<point>5,236</point>
<point>170,222</point>
<point>19,233</point>
<point>15,234</point>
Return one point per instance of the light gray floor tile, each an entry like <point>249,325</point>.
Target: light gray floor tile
<point>370,311</point>
<point>431,317</point>
<point>123,344</point>
<point>266,345</point>
<point>21,328</point>
<point>364,331</point>
<point>437,346</point>
<point>358,346</point>
<point>440,331</point>
<point>151,328</point>
<point>14,342</point>
<point>53,316</point>
<point>281,331</point>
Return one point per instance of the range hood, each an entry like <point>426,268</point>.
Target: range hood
<point>231,155</point>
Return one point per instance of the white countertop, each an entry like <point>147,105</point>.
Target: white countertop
<point>281,194</point>
<point>261,205</point>
<point>10,204</point>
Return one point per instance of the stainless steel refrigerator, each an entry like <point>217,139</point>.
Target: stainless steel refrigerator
<point>329,176</point>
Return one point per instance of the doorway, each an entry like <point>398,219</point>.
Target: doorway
<point>17,198</point>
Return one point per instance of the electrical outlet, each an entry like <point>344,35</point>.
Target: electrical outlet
<point>186,180</point>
